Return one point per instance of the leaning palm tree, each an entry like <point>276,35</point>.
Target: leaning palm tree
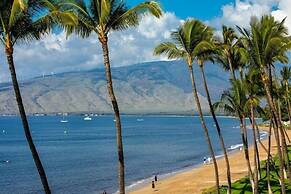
<point>233,101</point>
<point>23,21</point>
<point>102,17</point>
<point>253,90</point>
<point>267,41</point>
<point>207,53</point>
<point>188,41</point>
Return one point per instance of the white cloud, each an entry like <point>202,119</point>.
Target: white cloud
<point>55,53</point>
<point>241,11</point>
<point>284,10</point>
<point>152,27</point>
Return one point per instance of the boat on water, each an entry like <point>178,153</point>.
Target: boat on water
<point>139,120</point>
<point>63,119</point>
<point>87,118</point>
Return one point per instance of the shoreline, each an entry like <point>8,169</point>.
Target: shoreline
<point>196,178</point>
<point>111,114</point>
<point>139,184</point>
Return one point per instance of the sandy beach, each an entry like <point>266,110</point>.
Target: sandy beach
<point>200,178</point>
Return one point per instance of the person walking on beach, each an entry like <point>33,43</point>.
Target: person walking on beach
<point>209,160</point>
<point>204,160</point>
<point>156,178</point>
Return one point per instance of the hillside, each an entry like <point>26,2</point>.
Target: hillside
<point>155,87</point>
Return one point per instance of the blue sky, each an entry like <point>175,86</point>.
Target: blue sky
<point>201,9</point>
<point>55,53</point>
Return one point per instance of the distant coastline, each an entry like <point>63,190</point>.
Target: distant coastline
<point>186,114</point>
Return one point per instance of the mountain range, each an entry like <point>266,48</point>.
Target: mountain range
<point>144,88</point>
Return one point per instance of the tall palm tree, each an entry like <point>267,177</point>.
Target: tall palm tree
<point>253,89</point>
<point>267,41</point>
<point>188,41</point>
<point>23,21</point>
<point>102,17</point>
<point>286,76</point>
<point>277,96</point>
<point>227,54</point>
<point>207,53</point>
<point>233,101</point>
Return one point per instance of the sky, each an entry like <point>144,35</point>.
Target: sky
<point>56,53</point>
<point>200,9</point>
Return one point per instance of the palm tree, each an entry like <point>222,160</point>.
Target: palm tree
<point>286,75</point>
<point>23,21</point>
<point>253,89</point>
<point>267,42</point>
<point>188,41</point>
<point>233,101</point>
<point>207,53</point>
<point>277,96</point>
<point>102,17</point>
<point>227,54</point>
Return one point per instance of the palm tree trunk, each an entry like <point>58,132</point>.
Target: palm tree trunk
<point>25,124</point>
<point>288,103</point>
<point>284,144</point>
<point>269,158</point>
<point>221,139</point>
<point>121,167</point>
<point>285,153</point>
<point>289,109</point>
<point>196,98</point>
<point>256,130</point>
<point>231,69</point>
<point>246,148</point>
<point>256,180</point>
<point>241,73</point>
<point>276,132</point>
<point>282,129</point>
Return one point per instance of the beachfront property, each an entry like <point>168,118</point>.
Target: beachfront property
<point>145,97</point>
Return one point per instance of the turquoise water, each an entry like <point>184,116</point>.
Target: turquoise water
<point>80,156</point>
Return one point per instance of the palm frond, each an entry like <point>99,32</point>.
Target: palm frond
<point>123,18</point>
<point>18,6</point>
<point>170,50</point>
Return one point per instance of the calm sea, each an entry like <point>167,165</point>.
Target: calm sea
<point>80,156</point>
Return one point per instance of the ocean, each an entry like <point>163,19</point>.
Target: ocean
<point>80,156</point>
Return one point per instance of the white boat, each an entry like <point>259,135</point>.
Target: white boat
<point>64,120</point>
<point>87,118</point>
<point>139,120</point>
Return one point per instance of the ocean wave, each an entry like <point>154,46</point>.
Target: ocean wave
<point>263,135</point>
<point>219,156</point>
<point>140,183</point>
<point>235,146</point>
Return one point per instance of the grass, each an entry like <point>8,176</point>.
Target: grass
<point>243,185</point>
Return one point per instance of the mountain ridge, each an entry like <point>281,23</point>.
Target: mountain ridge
<point>151,87</point>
